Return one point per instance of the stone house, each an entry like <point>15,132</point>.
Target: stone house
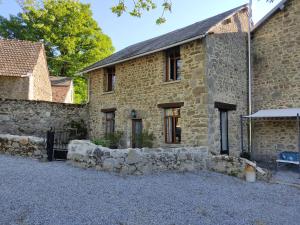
<point>276,78</point>
<point>24,71</point>
<point>188,87</point>
<point>62,89</point>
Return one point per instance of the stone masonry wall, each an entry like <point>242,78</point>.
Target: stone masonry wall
<point>34,118</point>
<point>145,161</point>
<point>272,137</point>
<point>226,71</point>
<point>41,82</point>
<point>140,85</point>
<point>14,87</point>
<point>276,77</point>
<point>26,146</point>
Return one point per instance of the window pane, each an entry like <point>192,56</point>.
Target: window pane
<point>169,112</point>
<point>169,129</point>
<point>109,82</point>
<point>178,130</point>
<point>224,129</point>
<point>113,82</point>
<point>172,69</point>
<point>176,112</point>
<point>178,68</point>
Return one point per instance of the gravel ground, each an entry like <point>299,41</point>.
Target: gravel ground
<point>55,193</point>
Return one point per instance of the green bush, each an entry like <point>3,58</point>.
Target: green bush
<point>145,139</point>
<point>101,141</point>
<point>114,139</point>
<point>111,140</point>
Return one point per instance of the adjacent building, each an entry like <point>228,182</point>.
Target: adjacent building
<point>23,71</point>
<point>276,79</point>
<point>188,87</point>
<point>62,89</point>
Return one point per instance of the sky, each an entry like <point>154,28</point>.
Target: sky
<point>127,30</point>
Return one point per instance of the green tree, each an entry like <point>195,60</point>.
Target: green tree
<point>71,36</point>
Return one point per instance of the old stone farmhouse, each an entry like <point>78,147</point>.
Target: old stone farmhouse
<point>188,87</point>
<point>23,71</point>
<point>62,89</point>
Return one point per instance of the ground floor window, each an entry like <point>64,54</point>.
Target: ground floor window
<point>109,122</point>
<point>172,126</point>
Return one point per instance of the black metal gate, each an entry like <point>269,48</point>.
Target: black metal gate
<point>57,143</point>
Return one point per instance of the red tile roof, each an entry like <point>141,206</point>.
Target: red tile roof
<point>18,58</point>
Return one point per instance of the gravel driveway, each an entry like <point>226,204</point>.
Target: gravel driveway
<point>55,193</point>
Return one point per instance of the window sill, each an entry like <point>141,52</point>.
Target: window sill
<point>108,92</point>
<point>171,82</point>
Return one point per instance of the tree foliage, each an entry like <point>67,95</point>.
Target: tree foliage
<point>72,38</point>
<point>139,6</point>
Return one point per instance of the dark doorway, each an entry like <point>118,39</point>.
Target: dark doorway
<point>57,143</point>
<point>224,131</point>
<point>137,129</point>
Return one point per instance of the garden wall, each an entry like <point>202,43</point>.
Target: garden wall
<point>85,154</point>
<point>34,118</point>
<point>27,146</point>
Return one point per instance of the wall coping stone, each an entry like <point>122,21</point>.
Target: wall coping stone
<point>17,138</point>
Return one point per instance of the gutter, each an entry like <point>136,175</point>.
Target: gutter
<point>249,74</point>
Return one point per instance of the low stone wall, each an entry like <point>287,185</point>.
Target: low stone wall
<point>27,146</point>
<point>136,161</point>
<point>34,118</point>
<point>85,154</point>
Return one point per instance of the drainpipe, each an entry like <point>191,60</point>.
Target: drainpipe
<point>249,73</point>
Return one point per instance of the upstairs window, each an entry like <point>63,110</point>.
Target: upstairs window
<point>110,79</point>
<point>173,64</point>
<point>172,126</point>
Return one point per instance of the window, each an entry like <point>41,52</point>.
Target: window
<point>109,122</point>
<point>173,64</point>
<point>110,79</point>
<point>172,126</point>
<point>224,131</point>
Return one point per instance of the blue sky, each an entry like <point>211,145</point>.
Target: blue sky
<point>127,30</point>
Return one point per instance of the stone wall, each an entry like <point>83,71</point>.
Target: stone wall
<point>271,137</point>
<point>14,87</point>
<point>24,117</point>
<point>146,161</point>
<point>137,161</point>
<point>26,146</point>
<point>140,85</point>
<point>41,82</point>
<point>226,72</point>
<point>276,77</point>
